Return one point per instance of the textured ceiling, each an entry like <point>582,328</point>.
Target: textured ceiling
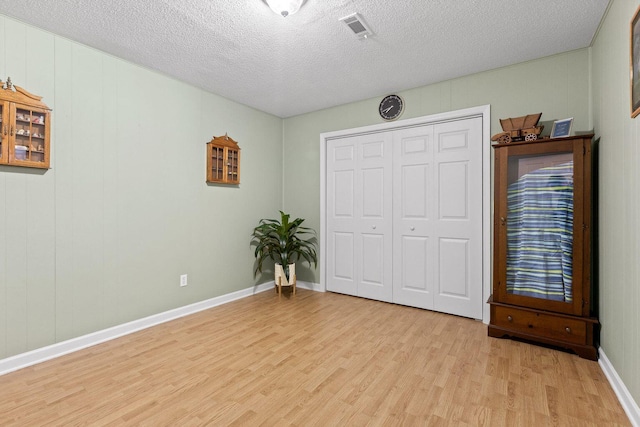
<point>309,61</point>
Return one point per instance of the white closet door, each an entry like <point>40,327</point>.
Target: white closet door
<point>404,216</point>
<point>341,216</point>
<point>359,210</point>
<point>457,224</point>
<point>413,242</point>
<point>374,216</point>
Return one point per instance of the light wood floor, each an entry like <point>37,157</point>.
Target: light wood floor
<point>312,359</point>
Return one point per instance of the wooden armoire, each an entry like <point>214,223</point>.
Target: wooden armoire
<point>542,243</point>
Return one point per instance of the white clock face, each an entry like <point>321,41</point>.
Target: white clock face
<point>391,107</point>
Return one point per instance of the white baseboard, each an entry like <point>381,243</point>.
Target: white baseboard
<point>310,286</point>
<point>52,351</point>
<point>626,400</point>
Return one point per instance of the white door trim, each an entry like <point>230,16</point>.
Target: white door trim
<point>483,111</point>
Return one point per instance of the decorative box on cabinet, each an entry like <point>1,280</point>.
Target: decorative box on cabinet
<point>542,243</point>
<point>223,161</point>
<point>24,128</point>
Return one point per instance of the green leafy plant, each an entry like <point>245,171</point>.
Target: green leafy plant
<point>284,242</point>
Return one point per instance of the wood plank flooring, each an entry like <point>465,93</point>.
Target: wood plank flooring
<point>313,359</point>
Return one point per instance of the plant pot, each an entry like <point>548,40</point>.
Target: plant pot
<point>281,278</point>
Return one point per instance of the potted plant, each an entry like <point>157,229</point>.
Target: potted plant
<point>285,242</point>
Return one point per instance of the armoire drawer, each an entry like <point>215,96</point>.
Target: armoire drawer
<point>541,324</point>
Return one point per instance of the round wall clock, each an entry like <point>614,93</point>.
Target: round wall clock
<point>391,107</point>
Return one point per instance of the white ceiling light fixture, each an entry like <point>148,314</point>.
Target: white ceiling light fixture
<point>284,7</point>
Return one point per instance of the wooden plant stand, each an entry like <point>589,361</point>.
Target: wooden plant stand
<point>281,278</point>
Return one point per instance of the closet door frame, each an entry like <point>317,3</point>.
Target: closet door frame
<point>483,111</point>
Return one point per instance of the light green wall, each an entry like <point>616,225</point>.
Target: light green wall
<point>102,237</point>
<point>557,86</point>
<point>619,193</point>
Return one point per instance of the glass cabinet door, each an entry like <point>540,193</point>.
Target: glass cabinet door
<point>29,135</point>
<point>539,221</point>
<point>232,165</point>
<point>216,164</point>
<point>541,224</point>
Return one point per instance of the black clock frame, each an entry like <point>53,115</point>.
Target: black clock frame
<point>391,107</point>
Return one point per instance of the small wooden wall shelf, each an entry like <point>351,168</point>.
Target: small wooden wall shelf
<point>25,123</point>
<point>223,161</point>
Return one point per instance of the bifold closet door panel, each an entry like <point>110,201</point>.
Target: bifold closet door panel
<point>457,217</point>
<point>341,234</point>
<point>359,216</point>
<point>374,214</point>
<point>413,213</point>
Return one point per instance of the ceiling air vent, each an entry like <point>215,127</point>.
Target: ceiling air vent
<point>357,25</point>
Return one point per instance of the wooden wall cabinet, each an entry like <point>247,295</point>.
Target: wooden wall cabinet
<point>542,243</point>
<point>223,161</point>
<point>25,123</point>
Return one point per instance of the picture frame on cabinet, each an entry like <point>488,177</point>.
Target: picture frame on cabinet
<point>561,128</point>
<point>634,63</point>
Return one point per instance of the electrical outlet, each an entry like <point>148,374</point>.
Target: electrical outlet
<point>183,280</point>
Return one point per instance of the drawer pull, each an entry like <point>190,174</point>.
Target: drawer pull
<point>568,329</point>
<point>509,318</point>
